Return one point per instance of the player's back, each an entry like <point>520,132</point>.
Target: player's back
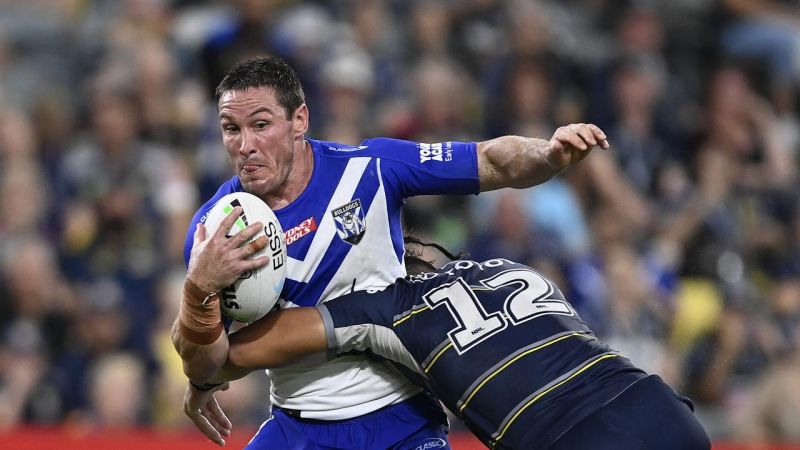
<point>496,342</point>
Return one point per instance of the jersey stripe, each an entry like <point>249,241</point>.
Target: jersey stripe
<point>402,317</point>
<point>511,359</point>
<point>448,346</point>
<point>533,398</point>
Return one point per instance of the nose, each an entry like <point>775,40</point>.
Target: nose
<point>247,144</point>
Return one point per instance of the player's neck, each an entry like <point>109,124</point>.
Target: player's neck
<point>298,179</point>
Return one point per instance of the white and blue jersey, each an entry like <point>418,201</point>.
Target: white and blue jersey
<point>344,233</point>
<point>495,341</point>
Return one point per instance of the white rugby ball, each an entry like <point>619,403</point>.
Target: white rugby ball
<point>255,293</point>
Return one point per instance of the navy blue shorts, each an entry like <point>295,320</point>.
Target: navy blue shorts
<point>648,415</point>
<point>417,423</point>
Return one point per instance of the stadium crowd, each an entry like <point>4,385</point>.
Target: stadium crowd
<point>680,246</point>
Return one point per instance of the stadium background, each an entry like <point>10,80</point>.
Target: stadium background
<point>679,246</point>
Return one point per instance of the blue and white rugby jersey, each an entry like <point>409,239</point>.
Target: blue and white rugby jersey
<point>344,233</point>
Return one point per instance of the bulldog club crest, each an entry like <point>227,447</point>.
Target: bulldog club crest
<point>350,222</point>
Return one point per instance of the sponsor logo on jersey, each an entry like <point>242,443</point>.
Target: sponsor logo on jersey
<point>298,231</point>
<point>347,149</point>
<point>350,224</point>
<point>431,443</point>
<point>443,151</point>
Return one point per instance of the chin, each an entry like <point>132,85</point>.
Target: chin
<point>259,188</point>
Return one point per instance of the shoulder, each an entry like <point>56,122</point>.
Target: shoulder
<point>229,186</point>
<point>377,147</point>
<point>470,271</point>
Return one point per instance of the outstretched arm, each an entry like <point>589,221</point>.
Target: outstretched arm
<point>519,162</point>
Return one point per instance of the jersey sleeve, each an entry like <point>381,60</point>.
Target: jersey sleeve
<point>353,321</point>
<point>414,168</point>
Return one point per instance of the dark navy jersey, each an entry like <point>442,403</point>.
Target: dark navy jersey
<point>343,232</point>
<point>495,341</point>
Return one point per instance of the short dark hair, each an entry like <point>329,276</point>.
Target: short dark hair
<point>266,71</point>
<point>415,263</point>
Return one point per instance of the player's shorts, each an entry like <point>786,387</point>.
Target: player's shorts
<point>648,415</point>
<point>415,424</point>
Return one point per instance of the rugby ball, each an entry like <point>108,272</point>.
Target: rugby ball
<point>255,293</point>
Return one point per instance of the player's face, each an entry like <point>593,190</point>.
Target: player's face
<point>263,145</point>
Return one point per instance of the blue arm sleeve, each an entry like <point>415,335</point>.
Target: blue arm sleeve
<point>412,168</point>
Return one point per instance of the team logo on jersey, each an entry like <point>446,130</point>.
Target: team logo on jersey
<point>298,231</point>
<point>350,222</point>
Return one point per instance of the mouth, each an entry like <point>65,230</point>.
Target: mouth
<point>250,168</point>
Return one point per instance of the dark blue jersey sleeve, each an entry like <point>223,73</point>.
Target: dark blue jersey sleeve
<point>374,307</point>
<point>412,168</point>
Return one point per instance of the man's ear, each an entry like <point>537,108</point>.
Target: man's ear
<point>300,121</point>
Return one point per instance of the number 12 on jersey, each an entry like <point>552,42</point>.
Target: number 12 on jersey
<point>528,301</point>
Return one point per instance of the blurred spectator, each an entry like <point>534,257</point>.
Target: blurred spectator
<point>38,304</point>
<point>241,33</point>
<point>740,166</point>
<point>638,322</point>
<point>117,391</point>
<point>100,327</point>
<point>766,31</point>
<point>347,79</point>
<point>774,405</point>
<point>508,232</point>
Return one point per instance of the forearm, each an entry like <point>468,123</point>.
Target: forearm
<point>519,162</point>
<point>201,363</point>
<point>198,334</point>
<point>278,339</point>
<point>514,161</point>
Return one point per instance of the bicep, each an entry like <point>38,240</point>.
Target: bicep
<point>280,338</point>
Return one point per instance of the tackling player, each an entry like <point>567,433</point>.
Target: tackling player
<point>340,207</point>
<point>499,345</point>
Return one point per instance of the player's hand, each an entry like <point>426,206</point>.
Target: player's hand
<point>572,143</point>
<point>217,262</point>
<point>207,416</point>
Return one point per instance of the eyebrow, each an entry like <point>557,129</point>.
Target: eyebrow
<point>259,110</point>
